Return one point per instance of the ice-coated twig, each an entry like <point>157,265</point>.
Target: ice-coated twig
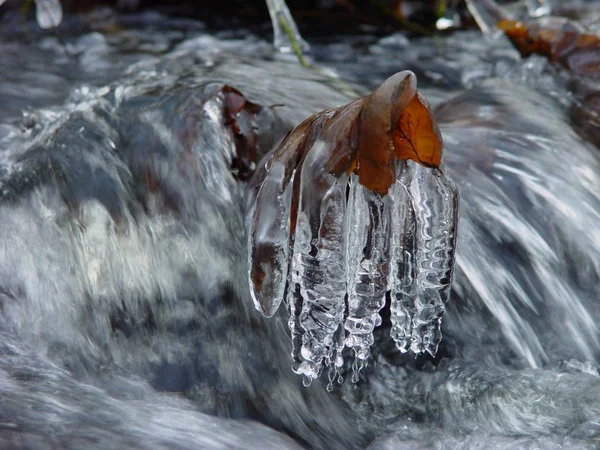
<point>486,13</point>
<point>48,13</point>
<point>368,226</point>
<point>286,37</point>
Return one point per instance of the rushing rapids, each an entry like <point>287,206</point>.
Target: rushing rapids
<point>127,161</point>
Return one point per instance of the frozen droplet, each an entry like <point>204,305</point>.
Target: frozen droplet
<point>306,381</point>
<point>48,13</point>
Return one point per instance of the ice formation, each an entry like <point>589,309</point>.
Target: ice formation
<point>48,13</point>
<point>285,32</point>
<point>355,207</point>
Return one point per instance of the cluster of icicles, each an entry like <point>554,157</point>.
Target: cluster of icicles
<point>354,207</point>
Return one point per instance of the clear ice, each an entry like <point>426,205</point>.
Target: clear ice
<point>424,236</point>
<point>336,249</point>
<point>269,254</point>
<point>319,272</point>
<point>48,13</point>
<point>486,14</point>
<point>284,27</point>
<point>368,227</point>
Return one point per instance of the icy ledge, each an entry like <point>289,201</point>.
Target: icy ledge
<point>355,207</point>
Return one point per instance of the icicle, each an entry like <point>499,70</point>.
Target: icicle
<point>269,236</point>
<point>403,291</point>
<point>285,32</point>
<point>49,13</point>
<point>428,267</point>
<point>368,227</point>
<point>318,264</point>
<point>318,268</point>
<point>295,308</point>
<point>436,205</point>
<point>269,242</point>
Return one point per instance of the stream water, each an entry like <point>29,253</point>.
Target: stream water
<point>126,320</point>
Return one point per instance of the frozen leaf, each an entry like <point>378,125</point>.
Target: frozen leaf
<point>354,206</point>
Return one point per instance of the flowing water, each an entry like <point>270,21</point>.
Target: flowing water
<point>126,320</point>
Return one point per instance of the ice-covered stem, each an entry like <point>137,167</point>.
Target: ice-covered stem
<point>486,14</point>
<point>49,13</point>
<point>286,37</point>
<point>354,205</point>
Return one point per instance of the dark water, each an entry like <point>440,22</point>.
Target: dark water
<point>126,320</point>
